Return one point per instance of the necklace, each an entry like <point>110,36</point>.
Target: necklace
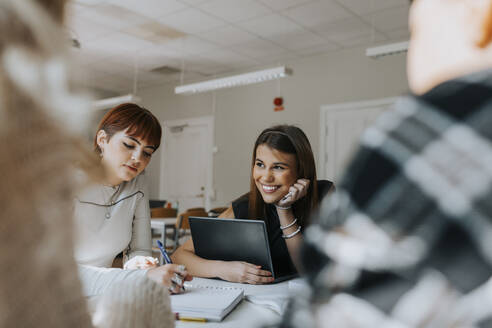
<point>110,203</point>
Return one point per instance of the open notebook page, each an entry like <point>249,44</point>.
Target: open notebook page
<point>209,302</point>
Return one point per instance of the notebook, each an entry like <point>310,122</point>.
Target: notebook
<point>208,302</point>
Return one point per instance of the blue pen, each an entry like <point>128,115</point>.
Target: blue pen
<point>167,259</point>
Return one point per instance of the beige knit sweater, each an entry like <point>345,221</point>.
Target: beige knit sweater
<point>39,285</point>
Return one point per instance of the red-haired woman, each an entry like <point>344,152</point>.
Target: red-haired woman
<point>114,216</point>
<point>284,192</point>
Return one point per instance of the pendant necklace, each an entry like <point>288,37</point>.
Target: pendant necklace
<point>110,202</point>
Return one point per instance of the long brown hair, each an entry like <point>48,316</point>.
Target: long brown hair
<point>292,140</point>
<point>140,122</point>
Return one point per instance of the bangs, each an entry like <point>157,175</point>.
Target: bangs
<point>146,128</point>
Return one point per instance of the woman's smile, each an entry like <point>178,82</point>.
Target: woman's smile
<point>274,172</point>
<point>269,189</point>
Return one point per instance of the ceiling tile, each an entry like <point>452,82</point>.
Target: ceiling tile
<point>191,21</point>
<point>227,57</point>
<point>192,45</point>
<point>368,40</point>
<point>401,34</point>
<point>90,2</point>
<point>227,36</point>
<point>165,50</point>
<point>109,15</point>
<point>84,29</point>
<point>325,48</point>
<point>151,8</point>
<point>209,70</point>
<point>153,78</point>
<point>390,19</point>
<point>112,47</point>
<point>278,59</point>
<point>299,40</point>
<point>258,48</point>
<point>194,2</point>
<point>283,4</point>
<point>108,65</point>
<point>116,43</point>
<point>270,26</point>
<point>235,10</point>
<point>317,13</point>
<point>345,29</point>
<point>362,7</point>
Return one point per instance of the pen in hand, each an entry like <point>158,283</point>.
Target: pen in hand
<point>166,257</point>
<point>178,279</point>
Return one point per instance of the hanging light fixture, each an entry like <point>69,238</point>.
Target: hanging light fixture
<point>387,49</point>
<point>115,101</point>
<point>235,80</point>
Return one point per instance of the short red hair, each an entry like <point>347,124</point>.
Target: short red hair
<point>139,123</point>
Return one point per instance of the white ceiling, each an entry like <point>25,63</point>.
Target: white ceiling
<point>215,37</point>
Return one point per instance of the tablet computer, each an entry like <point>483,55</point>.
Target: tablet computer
<point>233,240</point>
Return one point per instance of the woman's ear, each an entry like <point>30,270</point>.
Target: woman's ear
<point>485,36</point>
<point>101,139</point>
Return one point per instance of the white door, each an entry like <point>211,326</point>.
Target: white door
<point>186,170</point>
<point>341,128</point>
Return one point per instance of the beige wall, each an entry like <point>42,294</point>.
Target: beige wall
<point>242,112</point>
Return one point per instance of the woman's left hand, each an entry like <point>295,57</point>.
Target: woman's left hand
<point>296,191</point>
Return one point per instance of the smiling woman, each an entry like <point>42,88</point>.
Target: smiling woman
<point>284,192</point>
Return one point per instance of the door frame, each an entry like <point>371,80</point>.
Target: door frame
<point>327,110</point>
<point>209,161</point>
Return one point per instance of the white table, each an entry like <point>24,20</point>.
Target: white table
<point>246,314</point>
<point>161,224</point>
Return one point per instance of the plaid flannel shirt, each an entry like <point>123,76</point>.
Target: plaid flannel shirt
<point>423,169</point>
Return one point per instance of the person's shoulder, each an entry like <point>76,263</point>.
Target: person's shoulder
<point>325,187</point>
<point>240,206</point>
<point>243,199</point>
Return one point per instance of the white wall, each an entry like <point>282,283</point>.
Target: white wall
<point>241,113</point>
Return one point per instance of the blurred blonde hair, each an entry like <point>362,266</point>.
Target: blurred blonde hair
<point>39,285</point>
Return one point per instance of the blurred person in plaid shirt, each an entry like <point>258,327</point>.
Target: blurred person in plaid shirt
<point>407,239</point>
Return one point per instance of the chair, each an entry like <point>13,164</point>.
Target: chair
<point>183,224</point>
<point>162,212</point>
<point>215,212</point>
<point>196,209</point>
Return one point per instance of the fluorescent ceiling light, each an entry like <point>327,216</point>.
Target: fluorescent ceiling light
<point>234,81</point>
<point>115,101</point>
<point>387,49</point>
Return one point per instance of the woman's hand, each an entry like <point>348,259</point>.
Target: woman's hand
<point>296,191</point>
<point>141,262</point>
<point>244,272</point>
<point>171,275</point>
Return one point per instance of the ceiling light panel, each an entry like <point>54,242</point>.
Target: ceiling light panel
<point>234,81</point>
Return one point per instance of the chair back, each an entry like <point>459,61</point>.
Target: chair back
<point>214,212</point>
<point>183,222</point>
<point>161,212</point>
<point>196,209</point>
